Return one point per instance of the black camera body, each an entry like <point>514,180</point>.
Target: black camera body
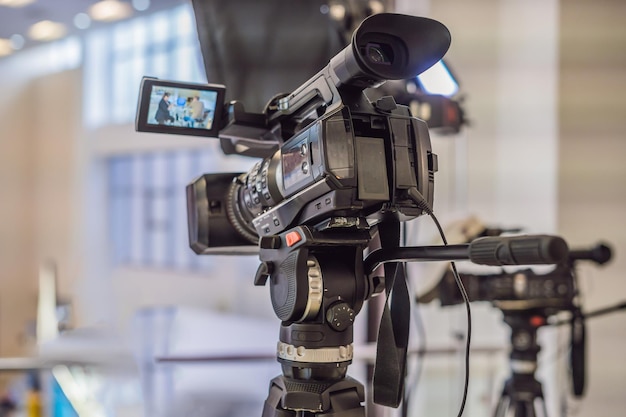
<point>524,290</point>
<point>345,164</point>
<point>521,290</point>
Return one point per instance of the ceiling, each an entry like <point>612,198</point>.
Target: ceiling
<point>18,20</point>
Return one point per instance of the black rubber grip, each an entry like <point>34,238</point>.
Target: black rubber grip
<point>518,250</point>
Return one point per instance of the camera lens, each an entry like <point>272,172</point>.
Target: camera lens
<point>376,54</point>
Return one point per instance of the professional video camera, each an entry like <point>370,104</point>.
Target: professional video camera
<point>338,173</point>
<point>328,152</point>
<point>524,289</point>
<point>529,301</point>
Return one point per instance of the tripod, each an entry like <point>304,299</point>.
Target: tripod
<point>318,284</point>
<point>317,287</point>
<point>522,391</point>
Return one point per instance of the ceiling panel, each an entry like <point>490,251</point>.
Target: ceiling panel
<point>18,20</point>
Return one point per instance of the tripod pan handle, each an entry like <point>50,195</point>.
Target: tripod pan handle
<point>518,250</point>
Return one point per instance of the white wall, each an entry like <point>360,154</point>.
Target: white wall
<point>227,286</point>
<point>545,85</point>
<point>37,186</point>
<point>17,271</point>
<point>592,180</point>
<point>502,168</point>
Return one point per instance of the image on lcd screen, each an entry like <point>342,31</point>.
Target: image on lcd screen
<point>295,162</point>
<point>182,107</point>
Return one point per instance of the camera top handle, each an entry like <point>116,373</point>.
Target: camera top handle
<point>382,48</point>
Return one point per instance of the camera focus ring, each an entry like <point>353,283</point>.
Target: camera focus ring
<point>235,214</point>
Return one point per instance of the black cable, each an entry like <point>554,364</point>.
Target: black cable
<point>457,279</point>
<point>422,203</point>
<point>404,410</point>
<point>419,323</point>
<point>411,385</point>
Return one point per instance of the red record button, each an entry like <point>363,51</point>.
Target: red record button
<point>537,321</point>
<point>292,238</point>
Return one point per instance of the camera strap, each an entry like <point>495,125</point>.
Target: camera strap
<point>393,333</point>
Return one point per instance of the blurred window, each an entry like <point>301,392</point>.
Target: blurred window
<point>145,190</point>
<point>163,45</point>
<point>48,58</point>
<point>147,208</point>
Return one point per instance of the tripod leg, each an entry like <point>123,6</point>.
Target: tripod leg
<point>503,406</point>
<point>544,407</point>
<point>524,409</point>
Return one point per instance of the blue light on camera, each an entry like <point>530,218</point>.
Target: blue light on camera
<point>438,80</point>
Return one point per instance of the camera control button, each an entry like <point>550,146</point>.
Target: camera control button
<point>340,316</point>
<point>270,242</point>
<point>292,238</point>
<point>537,321</point>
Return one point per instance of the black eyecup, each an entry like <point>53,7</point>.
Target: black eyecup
<point>417,44</point>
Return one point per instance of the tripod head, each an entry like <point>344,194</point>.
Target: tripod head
<point>319,280</point>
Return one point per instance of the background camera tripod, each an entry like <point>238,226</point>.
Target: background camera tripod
<point>522,391</point>
<point>528,302</point>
